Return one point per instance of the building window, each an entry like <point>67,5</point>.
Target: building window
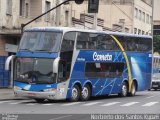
<point>135,30</point>
<point>22,7</point>
<point>143,16</point>
<point>67,17</point>
<point>143,32</point>
<point>9,7</point>
<point>147,19</point>
<point>27,10</point>
<point>146,33</point>
<point>150,20</point>
<point>140,14</point>
<point>136,13</point>
<point>139,31</point>
<point>47,7</point>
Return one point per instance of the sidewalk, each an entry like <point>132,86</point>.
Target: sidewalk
<point>8,94</point>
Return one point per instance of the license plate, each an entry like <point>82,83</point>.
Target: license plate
<point>31,94</point>
<point>155,85</point>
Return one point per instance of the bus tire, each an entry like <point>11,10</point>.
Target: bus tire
<point>124,90</point>
<point>133,89</point>
<point>39,100</point>
<point>86,93</point>
<point>75,93</point>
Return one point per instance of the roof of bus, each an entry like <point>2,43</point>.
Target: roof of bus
<point>67,29</point>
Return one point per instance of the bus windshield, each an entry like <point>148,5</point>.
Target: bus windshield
<point>40,41</point>
<point>34,70</point>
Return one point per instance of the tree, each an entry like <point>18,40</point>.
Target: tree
<point>156,43</point>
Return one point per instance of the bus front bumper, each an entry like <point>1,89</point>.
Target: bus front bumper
<point>35,95</point>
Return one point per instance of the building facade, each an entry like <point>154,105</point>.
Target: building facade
<point>14,13</point>
<point>156,17</point>
<point>131,16</point>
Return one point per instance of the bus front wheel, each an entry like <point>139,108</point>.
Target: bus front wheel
<point>124,90</point>
<point>75,94</point>
<point>86,93</point>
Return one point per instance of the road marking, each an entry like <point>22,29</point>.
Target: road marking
<point>91,103</point>
<point>30,104</point>
<point>4,101</point>
<point>15,103</point>
<point>150,104</point>
<point>74,103</point>
<point>109,104</point>
<point>61,117</point>
<point>129,104</point>
<point>150,97</point>
<point>47,104</point>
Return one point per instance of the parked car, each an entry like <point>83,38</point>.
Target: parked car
<point>155,81</point>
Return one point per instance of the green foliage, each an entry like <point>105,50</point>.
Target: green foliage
<point>156,43</point>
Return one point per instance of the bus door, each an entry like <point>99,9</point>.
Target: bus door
<point>64,68</point>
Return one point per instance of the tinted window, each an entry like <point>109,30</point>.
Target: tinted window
<point>28,40</point>
<point>34,70</point>
<point>136,44</point>
<point>95,41</point>
<point>144,44</point>
<point>48,41</point>
<point>105,42</point>
<point>68,41</point>
<point>103,70</point>
<point>41,41</point>
<point>84,41</point>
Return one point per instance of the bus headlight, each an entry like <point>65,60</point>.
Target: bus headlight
<point>50,90</point>
<point>17,88</point>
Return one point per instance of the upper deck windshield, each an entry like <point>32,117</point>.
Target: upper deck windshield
<point>40,41</point>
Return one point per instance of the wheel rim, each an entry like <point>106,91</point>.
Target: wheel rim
<point>85,93</point>
<point>124,90</point>
<point>74,93</point>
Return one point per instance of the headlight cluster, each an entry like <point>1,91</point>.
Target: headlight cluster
<point>49,90</point>
<point>17,88</point>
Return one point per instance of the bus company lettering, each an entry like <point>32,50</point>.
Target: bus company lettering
<point>101,57</point>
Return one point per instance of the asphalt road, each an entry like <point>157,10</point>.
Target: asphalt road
<point>143,102</point>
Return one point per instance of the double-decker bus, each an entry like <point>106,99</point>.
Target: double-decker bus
<point>65,63</point>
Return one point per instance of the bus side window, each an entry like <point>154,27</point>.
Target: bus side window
<point>104,70</point>
<point>82,40</point>
<point>62,71</point>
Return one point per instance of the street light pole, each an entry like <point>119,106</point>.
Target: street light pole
<point>95,21</point>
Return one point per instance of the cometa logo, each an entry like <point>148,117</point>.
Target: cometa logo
<point>98,57</point>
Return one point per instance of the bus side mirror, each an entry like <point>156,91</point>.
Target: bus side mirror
<point>55,65</point>
<point>8,61</point>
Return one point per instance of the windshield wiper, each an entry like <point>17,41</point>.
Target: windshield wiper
<point>26,49</point>
<point>43,50</point>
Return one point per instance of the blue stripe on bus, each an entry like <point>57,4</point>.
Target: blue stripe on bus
<point>34,87</point>
<point>38,54</point>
